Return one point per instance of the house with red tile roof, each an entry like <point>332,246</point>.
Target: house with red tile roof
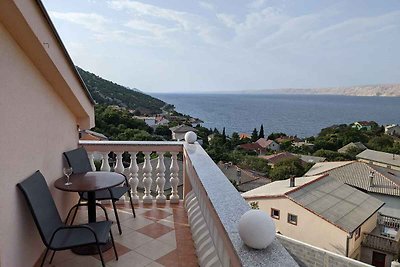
<point>244,136</point>
<point>268,144</point>
<point>253,147</point>
<point>363,125</point>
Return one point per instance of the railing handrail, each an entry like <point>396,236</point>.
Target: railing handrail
<point>389,221</point>
<point>229,206</point>
<point>143,146</point>
<point>380,242</point>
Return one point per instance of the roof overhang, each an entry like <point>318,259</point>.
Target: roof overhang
<point>30,26</point>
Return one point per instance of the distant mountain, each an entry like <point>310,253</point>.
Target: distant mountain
<point>363,90</point>
<point>110,93</point>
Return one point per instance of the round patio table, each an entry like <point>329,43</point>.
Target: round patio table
<point>90,182</point>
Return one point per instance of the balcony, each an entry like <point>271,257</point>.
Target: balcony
<point>211,205</point>
<point>381,243</point>
<point>385,237</point>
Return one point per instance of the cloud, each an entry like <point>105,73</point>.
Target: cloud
<point>150,11</point>
<point>357,26</point>
<point>206,5</point>
<point>256,4</point>
<point>90,21</point>
<point>154,29</point>
<point>167,23</point>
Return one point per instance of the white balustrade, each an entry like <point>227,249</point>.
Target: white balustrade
<point>174,180</point>
<point>160,198</point>
<point>147,181</point>
<point>133,177</point>
<point>119,166</point>
<point>91,160</point>
<point>105,165</point>
<point>132,172</point>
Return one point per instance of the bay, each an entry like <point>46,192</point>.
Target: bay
<point>301,115</point>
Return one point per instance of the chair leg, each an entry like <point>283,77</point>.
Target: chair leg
<point>133,208</point>
<point>52,256</point>
<point>115,249</point>
<point>76,210</point>
<point>104,209</point>
<point>44,257</point>
<point>101,255</point>
<point>116,217</point>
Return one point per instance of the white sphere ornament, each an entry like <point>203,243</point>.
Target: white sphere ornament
<point>190,137</point>
<point>256,229</point>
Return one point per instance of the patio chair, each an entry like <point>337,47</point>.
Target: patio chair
<point>55,234</point>
<point>79,161</point>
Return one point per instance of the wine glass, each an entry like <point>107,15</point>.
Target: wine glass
<point>67,172</point>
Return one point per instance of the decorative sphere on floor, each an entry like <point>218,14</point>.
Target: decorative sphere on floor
<point>190,137</point>
<point>256,229</point>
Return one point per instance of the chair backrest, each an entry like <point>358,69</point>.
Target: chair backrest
<point>41,205</point>
<point>78,159</point>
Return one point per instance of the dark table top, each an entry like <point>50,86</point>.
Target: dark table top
<point>90,181</point>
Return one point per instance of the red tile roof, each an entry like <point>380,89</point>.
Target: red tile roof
<point>251,146</point>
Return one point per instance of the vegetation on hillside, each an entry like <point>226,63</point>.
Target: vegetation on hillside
<point>109,93</point>
<point>120,125</point>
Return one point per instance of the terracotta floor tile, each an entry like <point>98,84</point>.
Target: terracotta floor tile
<point>170,260</point>
<point>155,230</point>
<point>156,214</point>
<point>159,236</point>
<point>109,254</point>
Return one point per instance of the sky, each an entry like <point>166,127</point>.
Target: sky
<point>232,45</point>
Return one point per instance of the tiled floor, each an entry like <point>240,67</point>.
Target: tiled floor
<point>158,236</point>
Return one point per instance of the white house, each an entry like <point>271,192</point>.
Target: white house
<point>321,211</point>
<point>379,182</point>
<point>268,144</point>
<point>393,129</point>
<point>178,132</point>
<point>150,121</point>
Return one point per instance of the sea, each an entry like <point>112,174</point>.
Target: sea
<point>301,115</point>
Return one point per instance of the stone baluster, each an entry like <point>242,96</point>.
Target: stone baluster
<point>91,160</point>
<point>133,177</point>
<point>147,181</point>
<point>119,166</point>
<point>105,165</point>
<point>174,180</point>
<point>160,198</point>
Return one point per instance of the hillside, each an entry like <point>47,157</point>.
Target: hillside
<point>363,90</point>
<point>107,92</point>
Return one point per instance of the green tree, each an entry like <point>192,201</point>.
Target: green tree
<point>273,136</point>
<point>223,135</point>
<point>164,131</point>
<point>254,163</point>
<point>381,143</point>
<point>286,168</point>
<point>261,134</point>
<point>254,135</point>
<point>235,139</point>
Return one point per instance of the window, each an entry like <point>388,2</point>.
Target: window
<point>275,214</point>
<point>357,233</point>
<point>292,219</point>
